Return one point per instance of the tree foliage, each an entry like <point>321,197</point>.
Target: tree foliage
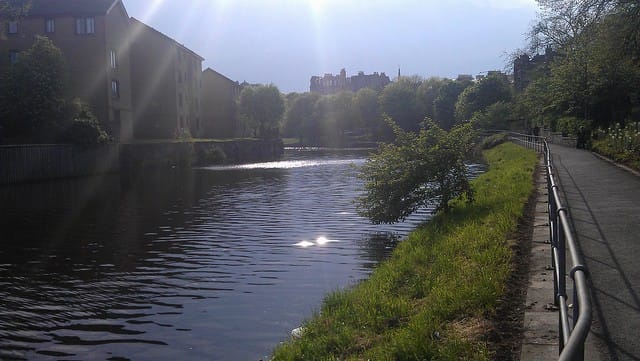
<point>426,95</point>
<point>594,73</point>
<point>84,128</point>
<point>420,169</point>
<point>33,93</point>
<point>262,107</point>
<point>497,116</point>
<point>445,102</point>
<point>398,101</point>
<point>299,119</point>
<point>480,95</point>
<point>13,9</point>
<point>35,106</point>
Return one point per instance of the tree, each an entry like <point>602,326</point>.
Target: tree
<point>33,93</point>
<point>418,170</point>
<point>426,96</point>
<point>335,115</point>
<point>12,10</point>
<point>498,116</point>
<point>300,117</point>
<point>398,101</point>
<point>444,104</point>
<point>480,95</point>
<point>367,105</point>
<point>262,106</point>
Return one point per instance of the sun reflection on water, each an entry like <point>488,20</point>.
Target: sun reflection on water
<point>320,241</point>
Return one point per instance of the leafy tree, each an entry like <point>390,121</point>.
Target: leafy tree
<point>262,107</point>
<point>367,105</point>
<point>562,21</point>
<point>33,93</point>
<point>342,113</point>
<point>499,116</point>
<point>419,169</point>
<point>426,96</point>
<point>12,10</point>
<point>300,116</point>
<point>398,101</point>
<point>444,104</point>
<point>480,95</point>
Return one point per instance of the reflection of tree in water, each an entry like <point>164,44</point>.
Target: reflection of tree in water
<point>377,247</point>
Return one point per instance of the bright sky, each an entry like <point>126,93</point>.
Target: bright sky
<point>285,42</point>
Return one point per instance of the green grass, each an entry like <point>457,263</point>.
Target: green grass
<point>427,301</point>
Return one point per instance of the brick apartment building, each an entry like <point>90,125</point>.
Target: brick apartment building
<point>219,95</point>
<point>140,83</point>
<point>93,36</point>
<point>166,85</point>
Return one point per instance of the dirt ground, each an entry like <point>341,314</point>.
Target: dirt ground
<point>505,335</point>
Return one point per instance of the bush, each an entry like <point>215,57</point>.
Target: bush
<point>215,155</point>
<point>85,128</point>
<point>494,140</point>
<point>420,169</point>
<point>620,143</point>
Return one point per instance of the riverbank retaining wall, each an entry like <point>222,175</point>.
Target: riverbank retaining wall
<point>37,162</point>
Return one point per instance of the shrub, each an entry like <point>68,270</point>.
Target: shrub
<point>494,140</point>
<point>419,170</point>
<point>622,143</point>
<point>84,128</point>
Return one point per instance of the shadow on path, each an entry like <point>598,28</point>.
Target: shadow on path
<point>604,205</point>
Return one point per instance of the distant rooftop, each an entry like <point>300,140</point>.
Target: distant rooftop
<point>65,7</point>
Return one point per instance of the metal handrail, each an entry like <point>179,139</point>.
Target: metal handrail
<point>573,327</point>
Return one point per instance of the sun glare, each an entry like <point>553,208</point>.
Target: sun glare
<point>151,9</point>
<point>317,6</point>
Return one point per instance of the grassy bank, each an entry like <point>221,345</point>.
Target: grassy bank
<point>431,299</point>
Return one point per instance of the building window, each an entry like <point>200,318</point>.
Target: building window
<point>49,26</point>
<point>13,27</point>
<point>13,56</point>
<point>179,77</point>
<point>180,99</point>
<point>115,88</point>
<point>91,25</point>
<point>86,25</point>
<point>113,59</point>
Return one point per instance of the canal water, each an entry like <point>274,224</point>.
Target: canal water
<point>216,263</point>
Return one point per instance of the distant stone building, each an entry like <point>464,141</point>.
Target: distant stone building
<point>330,84</point>
<point>94,38</point>
<point>219,95</point>
<point>464,77</point>
<point>525,69</point>
<point>166,84</point>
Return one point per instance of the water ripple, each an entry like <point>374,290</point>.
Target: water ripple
<point>213,263</point>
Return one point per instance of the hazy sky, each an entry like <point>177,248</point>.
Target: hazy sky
<point>285,42</point>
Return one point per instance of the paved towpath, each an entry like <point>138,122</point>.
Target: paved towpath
<point>604,205</point>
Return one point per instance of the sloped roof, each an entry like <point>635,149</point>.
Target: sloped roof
<point>68,7</point>
<point>135,21</point>
<point>209,70</point>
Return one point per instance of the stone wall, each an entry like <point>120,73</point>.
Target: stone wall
<point>30,163</point>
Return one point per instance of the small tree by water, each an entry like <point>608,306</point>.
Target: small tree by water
<point>417,170</point>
